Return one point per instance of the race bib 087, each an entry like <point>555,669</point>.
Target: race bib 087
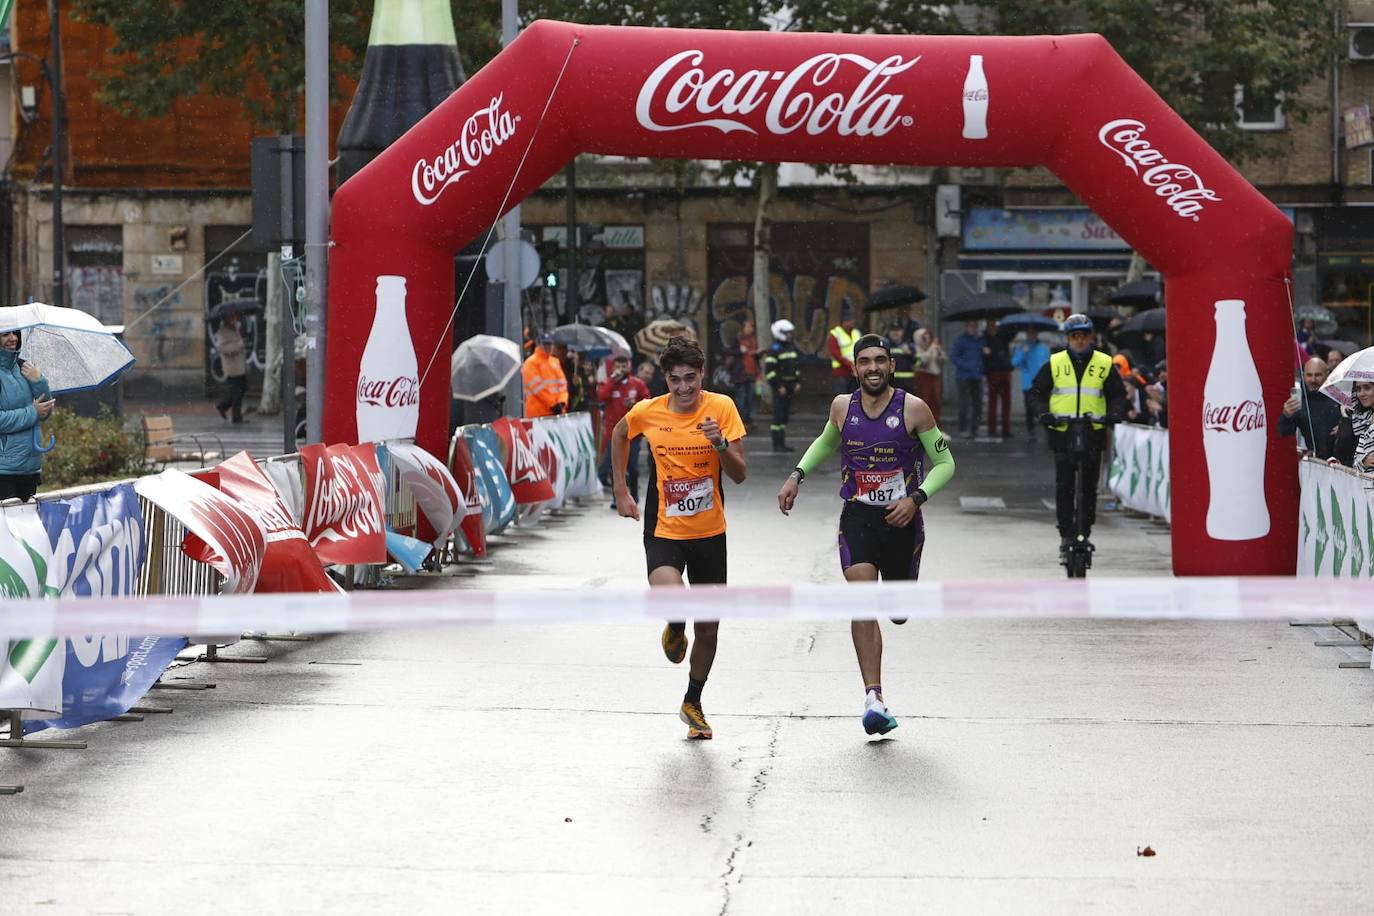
<point>690,496</point>
<point>880,488</point>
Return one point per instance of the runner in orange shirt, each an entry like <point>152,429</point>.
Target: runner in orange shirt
<point>693,435</point>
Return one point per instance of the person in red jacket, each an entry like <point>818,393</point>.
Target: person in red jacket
<point>617,395</point>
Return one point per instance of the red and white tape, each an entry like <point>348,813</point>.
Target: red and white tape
<point>1141,599</point>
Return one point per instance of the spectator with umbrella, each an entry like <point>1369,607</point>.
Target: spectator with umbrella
<point>24,401</point>
<point>234,360</point>
<point>967,355</point>
<point>1028,358</point>
<point>997,371</point>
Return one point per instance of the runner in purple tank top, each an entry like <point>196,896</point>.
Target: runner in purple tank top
<point>881,433</point>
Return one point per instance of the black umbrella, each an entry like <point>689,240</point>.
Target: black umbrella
<point>1027,321</point>
<point>1139,293</point>
<point>982,306</point>
<point>1102,316</point>
<point>892,297</point>
<point>1323,348</point>
<point>235,307</point>
<point>1151,320</point>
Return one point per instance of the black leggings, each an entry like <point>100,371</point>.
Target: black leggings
<point>19,486</point>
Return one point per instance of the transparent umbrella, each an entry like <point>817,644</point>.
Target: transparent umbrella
<point>590,338</point>
<point>482,365</point>
<point>74,351</point>
<point>1357,367</point>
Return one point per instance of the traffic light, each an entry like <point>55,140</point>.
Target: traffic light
<point>549,255</point>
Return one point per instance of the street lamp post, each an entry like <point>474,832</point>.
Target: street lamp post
<point>54,75</point>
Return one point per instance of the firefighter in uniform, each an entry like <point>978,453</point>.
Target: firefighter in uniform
<point>782,370</point>
<point>1076,382</point>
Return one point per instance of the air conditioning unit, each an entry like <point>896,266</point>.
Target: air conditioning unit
<point>1361,41</point>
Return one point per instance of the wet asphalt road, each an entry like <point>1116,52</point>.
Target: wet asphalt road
<point>541,769</point>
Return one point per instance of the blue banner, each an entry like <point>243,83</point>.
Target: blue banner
<point>498,509</point>
<point>98,550</point>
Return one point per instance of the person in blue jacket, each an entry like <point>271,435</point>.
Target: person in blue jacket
<point>967,353</point>
<point>1029,357</point>
<point>24,400</point>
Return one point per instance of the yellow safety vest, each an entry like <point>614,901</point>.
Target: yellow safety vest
<point>1071,398</point>
<point>847,341</point>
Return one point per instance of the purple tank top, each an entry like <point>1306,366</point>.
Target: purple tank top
<point>880,460</point>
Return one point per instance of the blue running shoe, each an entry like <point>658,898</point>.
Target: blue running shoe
<point>877,720</point>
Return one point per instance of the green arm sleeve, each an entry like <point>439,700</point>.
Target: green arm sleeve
<point>941,461</point>
<point>824,446</point>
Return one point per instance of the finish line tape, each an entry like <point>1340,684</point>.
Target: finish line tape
<point>1136,599</point>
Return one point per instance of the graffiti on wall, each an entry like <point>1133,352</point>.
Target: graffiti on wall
<point>814,304</point>
<point>678,301</point>
<point>99,291</point>
<point>166,338</point>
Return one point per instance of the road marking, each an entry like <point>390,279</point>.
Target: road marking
<point>981,503</point>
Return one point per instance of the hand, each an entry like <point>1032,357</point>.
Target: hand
<point>559,408</point>
<point>30,371</point>
<point>1046,419</point>
<point>787,496</point>
<point>1291,406</point>
<point>796,389</point>
<point>1368,461</point>
<point>900,513</point>
<point>625,504</point>
<point>44,407</point>
<point>782,391</point>
<point>711,430</point>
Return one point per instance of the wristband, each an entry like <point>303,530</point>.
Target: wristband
<point>724,444</point>
<point>919,497</point>
<point>800,474</point>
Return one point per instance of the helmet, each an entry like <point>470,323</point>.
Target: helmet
<point>780,327</point>
<point>1078,322</point>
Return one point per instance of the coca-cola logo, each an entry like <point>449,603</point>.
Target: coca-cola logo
<point>483,132</point>
<point>680,94</point>
<point>524,462</point>
<point>402,391</point>
<point>1233,418</point>
<point>231,531</point>
<point>1182,188</point>
<point>344,504</point>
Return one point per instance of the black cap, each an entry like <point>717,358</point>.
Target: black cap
<point>872,340</point>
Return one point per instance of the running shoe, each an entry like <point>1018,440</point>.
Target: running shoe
<point>877,720</point>
<point>674,643</point>
<point>695,720</point>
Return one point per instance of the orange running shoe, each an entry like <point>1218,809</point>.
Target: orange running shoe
<point>674,643</point>
<point>697,726</point>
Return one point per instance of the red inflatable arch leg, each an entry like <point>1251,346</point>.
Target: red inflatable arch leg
<point>1067,102</point>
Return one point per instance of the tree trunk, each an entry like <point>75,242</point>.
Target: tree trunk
<point>763,247</point>
<point>271,373</point>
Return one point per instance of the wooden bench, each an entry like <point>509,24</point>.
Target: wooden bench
<point>162,445</point>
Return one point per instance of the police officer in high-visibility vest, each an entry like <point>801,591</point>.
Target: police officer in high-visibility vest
<point>1079,381</point>
<point>782,370</point>
<point>903,356</point>
<point>839,343</point>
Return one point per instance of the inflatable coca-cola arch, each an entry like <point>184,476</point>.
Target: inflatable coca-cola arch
<point>1066,102</point>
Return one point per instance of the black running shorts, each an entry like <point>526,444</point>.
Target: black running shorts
<point>702,559</point>
<point>866,537</point>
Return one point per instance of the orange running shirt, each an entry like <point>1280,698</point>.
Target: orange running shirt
<point>684,496</point>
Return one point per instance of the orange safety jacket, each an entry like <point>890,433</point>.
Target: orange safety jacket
<point>545,384</point>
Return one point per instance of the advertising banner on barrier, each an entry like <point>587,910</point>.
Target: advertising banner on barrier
<point>1335,522</point>
<point>472,529</point>
<point>574,443</point>
<point>31,670</point>
<point>1139,475</point>
<point>98,548</point>
<point>436,492</point>
<point>286,478</point>
<point>499,506</point>
<point>344,519</point>
<point>550,455</point>
<point>221,533</point>
<point>288,564</point>
<point>529,481</point>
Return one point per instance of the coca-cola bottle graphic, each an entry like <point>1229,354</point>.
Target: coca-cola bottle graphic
<point>975,100</point>
<point>1233,432</point>
<point>411,65</point>
<point>388,378</point>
